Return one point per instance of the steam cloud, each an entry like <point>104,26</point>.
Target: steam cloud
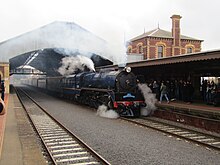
<point>150,100</point>
<point>66,35</point>
<point>73,63</point>
<point>104,112</point>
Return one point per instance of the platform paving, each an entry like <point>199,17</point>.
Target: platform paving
<point>20,145</point>
<point>196,108</point>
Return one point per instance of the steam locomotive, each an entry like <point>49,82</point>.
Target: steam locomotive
<point>117,89</point>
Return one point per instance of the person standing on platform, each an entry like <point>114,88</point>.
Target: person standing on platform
<point>204,88</point>
<point>2,107</point>
<point>156,89</point>
<point>191,91</point>
<point>208,93</point>
<point>3,90</point>
<point>163,90</point>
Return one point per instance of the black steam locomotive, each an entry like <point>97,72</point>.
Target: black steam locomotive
<point>118,90</point>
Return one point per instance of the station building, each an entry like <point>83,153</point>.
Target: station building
<point>160,43</point>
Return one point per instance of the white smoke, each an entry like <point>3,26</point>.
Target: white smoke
<point>150,100</point>
<point>116,52</point>
<point>104,112</point>
<point>66,35</point>
<point>73,63</point>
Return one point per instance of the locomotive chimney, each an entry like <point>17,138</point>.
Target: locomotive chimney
<point>121,66</point>
<point>176,33</point>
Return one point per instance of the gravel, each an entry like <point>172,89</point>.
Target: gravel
<point>120,142</point>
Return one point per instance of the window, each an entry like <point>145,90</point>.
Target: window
<point>140,49</point>
<point>129,50</point>
<point>160,51</point>
<point>189,50</point>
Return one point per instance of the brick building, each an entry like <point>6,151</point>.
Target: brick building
<point>159,43</point>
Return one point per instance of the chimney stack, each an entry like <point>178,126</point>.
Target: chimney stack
<point>176,29</point>
<point>176,50</point>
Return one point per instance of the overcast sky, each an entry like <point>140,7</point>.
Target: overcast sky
<point>114,20</point>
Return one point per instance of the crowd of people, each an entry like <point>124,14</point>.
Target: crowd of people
<point>182,90</point>
<point>208,90</point>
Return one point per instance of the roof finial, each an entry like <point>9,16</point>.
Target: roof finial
<point>144,29</point>
<point>158,25</point>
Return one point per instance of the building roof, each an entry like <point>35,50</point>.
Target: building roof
<point>159,33</point>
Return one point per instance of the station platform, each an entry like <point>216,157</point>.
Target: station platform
<point>195,108</point>
<point>18,141</point>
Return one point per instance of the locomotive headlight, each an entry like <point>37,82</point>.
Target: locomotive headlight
<point>128,69</point>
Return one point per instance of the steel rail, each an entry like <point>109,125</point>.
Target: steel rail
<point>207,140</point>
<point>62,145</point>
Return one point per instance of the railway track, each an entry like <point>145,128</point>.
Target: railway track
<point>184,133</point>
<point>62,145</point>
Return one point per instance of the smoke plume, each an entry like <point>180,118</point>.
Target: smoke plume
<point>73,63</point>
<point>104,112</point>
<point>66,35</point>
<point>150,100</point>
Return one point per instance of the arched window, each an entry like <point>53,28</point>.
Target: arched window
<point>140,48</point>
<point>160,51</point>
<point>189,50</point>
<point>129,49</point>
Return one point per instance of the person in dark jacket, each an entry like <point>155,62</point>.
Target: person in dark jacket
<point>156,89</point>
<point>3,90</point>
<point>191,91</point>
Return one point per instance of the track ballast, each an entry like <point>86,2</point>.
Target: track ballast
<point>62,145</point>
